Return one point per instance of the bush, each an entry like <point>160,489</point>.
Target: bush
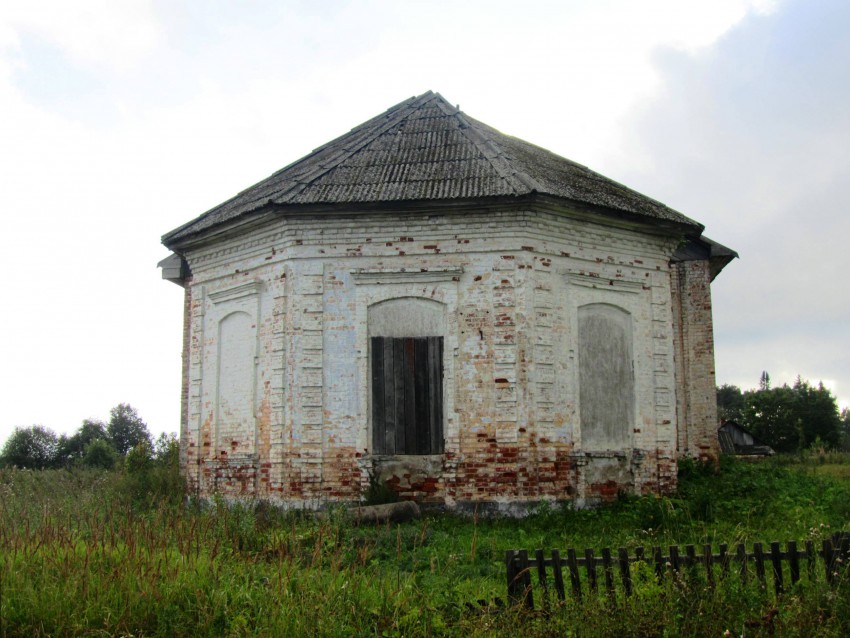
<point>153,477</point>
<point>100,454</point>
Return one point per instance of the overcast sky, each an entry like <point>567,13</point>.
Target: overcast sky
<point>121,120</point>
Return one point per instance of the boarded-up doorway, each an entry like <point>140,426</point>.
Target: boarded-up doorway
<point>407,395</point>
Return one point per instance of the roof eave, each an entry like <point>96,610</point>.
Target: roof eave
<point>177,241</point>
<point>721,256</point>
<point>618,217</point>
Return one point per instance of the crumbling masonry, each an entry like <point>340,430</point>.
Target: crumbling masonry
<point>462,315</point>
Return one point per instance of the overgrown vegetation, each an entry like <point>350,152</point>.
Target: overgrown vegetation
<point>88,552</point>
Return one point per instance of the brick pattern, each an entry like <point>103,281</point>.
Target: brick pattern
<point>696,405</point>
<point>504,330</point>
<point>196,435</point>
<point>665,392</point>
<point>188,451</point>
<point>305,328</point>
<point>510,365</point>
<point>541,383</point>
<point>273,458</point>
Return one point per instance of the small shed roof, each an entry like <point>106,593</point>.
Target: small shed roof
<point>425,149</point>
<point>736,439</point>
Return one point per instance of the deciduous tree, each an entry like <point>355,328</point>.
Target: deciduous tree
<point>126,429</point>
<point>730,403</point>
<point>73,448</point>
<point>34,448</point>
<point>790,418</point>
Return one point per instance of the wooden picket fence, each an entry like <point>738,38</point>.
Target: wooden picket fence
<point>550,571</point>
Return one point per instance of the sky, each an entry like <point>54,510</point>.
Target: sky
<point>122,120</point>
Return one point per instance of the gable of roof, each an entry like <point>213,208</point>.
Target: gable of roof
<point>426,150</point>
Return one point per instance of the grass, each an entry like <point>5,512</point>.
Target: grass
<point>87,553</point>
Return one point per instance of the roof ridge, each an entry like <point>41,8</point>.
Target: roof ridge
<point>445,106</point>
<point>302,181</point>
<point>332,161</point>
<point>388,113</point>
<point>519,180</point>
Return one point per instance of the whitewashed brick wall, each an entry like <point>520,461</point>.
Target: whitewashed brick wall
<point>511,284</point>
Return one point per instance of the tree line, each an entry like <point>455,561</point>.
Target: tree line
<point>95,443</point>
<point>787,418</point>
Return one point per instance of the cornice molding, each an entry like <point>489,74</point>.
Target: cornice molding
<point>403,276</point>
<point>600,282</point>
<point>236,292</point>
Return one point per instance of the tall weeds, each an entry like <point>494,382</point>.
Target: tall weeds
<point>93,553</point>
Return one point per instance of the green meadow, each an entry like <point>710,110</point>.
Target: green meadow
<point>119,553</point>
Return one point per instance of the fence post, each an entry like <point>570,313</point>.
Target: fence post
<point>608,571</point>
<point>776,559</point>
<point>659,563</point>
<point>625,575</point>
<point>742,559</point>
<point>708,559</point>
<point>558,575</point>
<point>540,559</point>
<point>793,561</point>
<point>525,579</point>
<point>758,553</point>
<point>572,563</point>
<point>724,560</point>
<point>674,558</point>
<point>590,566</point>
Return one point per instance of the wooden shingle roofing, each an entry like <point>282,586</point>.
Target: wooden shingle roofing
<point>426,150</point>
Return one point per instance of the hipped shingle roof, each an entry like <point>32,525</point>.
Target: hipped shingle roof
<point>426,150</point>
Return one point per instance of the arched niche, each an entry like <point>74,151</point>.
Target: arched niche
<point>235,396</point>
<point>606,377</point>
<point>407,317</point>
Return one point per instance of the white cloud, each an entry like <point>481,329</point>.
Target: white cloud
<point>104,33</point>
<point>156,112</point>
<point>749,138</point>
